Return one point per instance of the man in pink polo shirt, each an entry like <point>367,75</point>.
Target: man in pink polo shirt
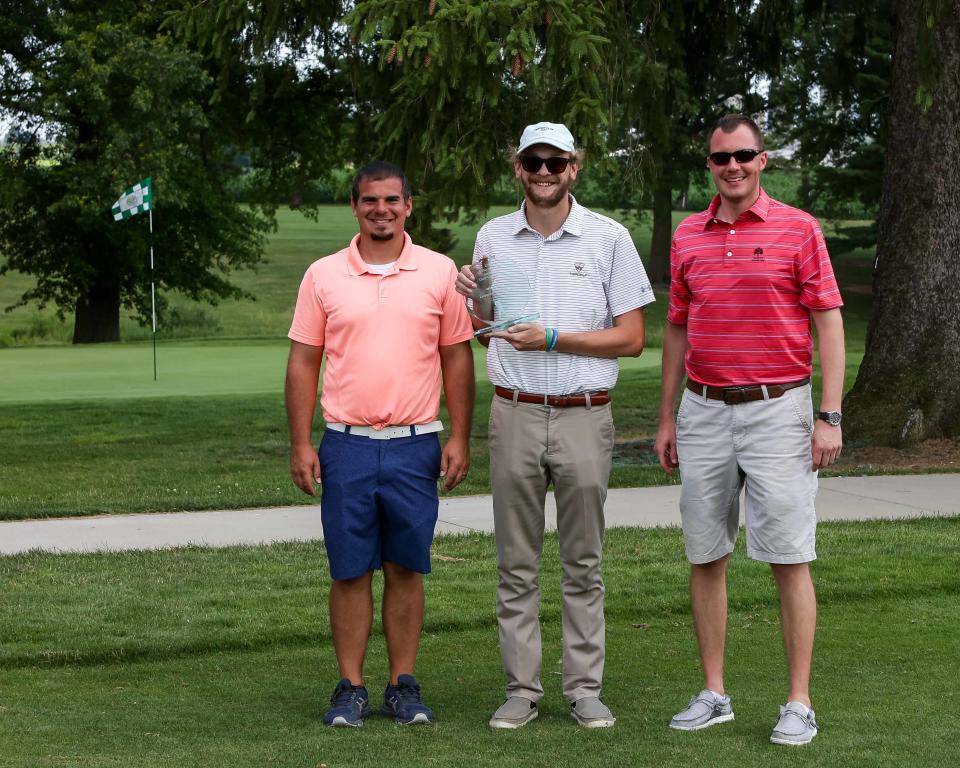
<point>748,275</point>
<point>387,316</point>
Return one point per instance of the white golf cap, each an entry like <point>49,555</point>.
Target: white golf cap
<point>555,134</point>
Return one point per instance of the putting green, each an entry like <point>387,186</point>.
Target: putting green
<point>184,369</point>
<point>108,371</point>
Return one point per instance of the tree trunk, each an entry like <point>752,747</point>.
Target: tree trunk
<point>422,230</point>
<point>97,316</point>
<point>908,387</point>
<point>659,268</point>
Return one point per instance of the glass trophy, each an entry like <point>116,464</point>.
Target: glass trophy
<point>502,296</point>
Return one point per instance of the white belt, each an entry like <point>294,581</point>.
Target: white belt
<point>387,433</point>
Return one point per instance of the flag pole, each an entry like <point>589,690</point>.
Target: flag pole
<point>153,299</point>
<point>137,199</point>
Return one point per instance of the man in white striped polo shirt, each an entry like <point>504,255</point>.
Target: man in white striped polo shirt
<point>550,419</point>
<point>748,275</point>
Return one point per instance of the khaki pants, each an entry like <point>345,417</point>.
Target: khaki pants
<point>530,447</point>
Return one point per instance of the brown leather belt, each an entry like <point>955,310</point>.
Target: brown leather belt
<point>601,397</point>
<point>747,394</point>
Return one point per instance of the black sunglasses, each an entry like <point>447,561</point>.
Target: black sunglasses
<point>533,163</point>
<point>741,155</point>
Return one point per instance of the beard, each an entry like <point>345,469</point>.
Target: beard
<point>381,237</point>
<point>535,196</point>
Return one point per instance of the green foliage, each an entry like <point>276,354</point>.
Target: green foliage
<point>672,67</point>
<point>457,84</point>
<point>103,99</point>
<point>257,29</point>
<point>830,101</point>
<point>253,188</point>
<point>444,88</point>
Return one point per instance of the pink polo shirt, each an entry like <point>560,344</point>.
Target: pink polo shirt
<point>381,334</point>
<point>745,290</point>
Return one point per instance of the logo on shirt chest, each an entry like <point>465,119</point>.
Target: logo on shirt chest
<point>758,254</point>
<point>579,269</point>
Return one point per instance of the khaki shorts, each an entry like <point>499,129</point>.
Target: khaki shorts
<point>762,447</point>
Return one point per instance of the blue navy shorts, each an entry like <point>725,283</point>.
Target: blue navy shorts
<point>379,501</point>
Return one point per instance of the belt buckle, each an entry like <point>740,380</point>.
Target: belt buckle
<point>388,433</point>
<point>735,395</point>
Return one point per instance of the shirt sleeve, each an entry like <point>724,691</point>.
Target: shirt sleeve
<point>629,286</point>
<point>818,285</point>
<point>481,247</point>
<point>679,292</point>
<point>455,325</point>
<point>309,319</point>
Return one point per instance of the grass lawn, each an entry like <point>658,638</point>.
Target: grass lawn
<point>146,454</point>
<point>85,430</point>
<point>45,374</point>
<point>223,658</point>
<point>167,452</point>
<point>185,369</point>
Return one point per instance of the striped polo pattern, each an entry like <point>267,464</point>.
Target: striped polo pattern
<point>745,290</point>
<point>580,278</point>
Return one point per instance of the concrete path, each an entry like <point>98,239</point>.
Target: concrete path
<point>840,498</point>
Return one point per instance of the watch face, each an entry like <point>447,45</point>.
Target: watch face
<point>832,418</point>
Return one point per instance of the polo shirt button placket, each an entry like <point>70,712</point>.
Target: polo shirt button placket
<point>729,245</point>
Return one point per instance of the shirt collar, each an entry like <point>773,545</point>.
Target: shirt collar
<point>573,224</point>
<point>760,209</point>
<point>357,266</point>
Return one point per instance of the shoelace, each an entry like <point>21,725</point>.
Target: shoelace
<point>708,700</point>
<point>408,694</point>
<point>807,718</point>
<point>343,696</point>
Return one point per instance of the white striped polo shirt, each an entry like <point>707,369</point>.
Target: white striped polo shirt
<point>581,277</point>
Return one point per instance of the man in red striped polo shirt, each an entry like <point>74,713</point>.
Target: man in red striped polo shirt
<point>748,276</point>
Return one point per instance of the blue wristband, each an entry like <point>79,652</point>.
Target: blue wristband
<point>554,338</point>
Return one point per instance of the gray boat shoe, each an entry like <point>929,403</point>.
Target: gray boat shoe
<point>705,709</point>
<point>797,725</point>
<point>590,712</point>
<point>515,712</point>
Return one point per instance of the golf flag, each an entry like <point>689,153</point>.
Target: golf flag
<point>137,199</point>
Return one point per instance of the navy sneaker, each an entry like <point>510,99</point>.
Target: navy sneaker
<point>349,705</point>
<point>402,702</point>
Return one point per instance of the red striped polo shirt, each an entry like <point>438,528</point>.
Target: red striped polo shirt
<point>745,291</point>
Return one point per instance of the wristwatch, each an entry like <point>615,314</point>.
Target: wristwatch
<point>833,418</point>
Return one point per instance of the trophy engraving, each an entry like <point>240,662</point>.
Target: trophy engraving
<point>502,295</point>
